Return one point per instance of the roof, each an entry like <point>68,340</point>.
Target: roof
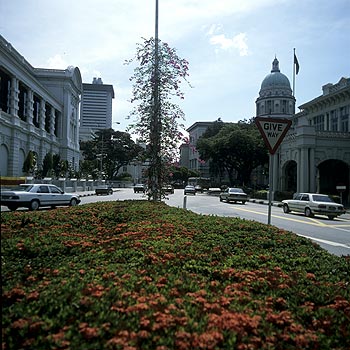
<point>275,79</point>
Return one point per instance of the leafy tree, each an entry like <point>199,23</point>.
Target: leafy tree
<point>47,164</point>
<point>113,150</point>
<point>180,174</point>
<point>156,82</point>
<point>214,128</point>
<point>29,163</point>
<point>235,147</point>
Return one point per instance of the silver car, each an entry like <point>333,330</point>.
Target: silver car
<point>189,189</point>
<point>313,203</point>
<point>233,194</point>
<point>34,196</point>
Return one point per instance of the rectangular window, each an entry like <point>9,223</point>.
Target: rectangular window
<point>344,119</point>
<point>334,121</point>
<point>318,122</point>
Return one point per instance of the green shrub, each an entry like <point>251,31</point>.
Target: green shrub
<point>281,195</point>
<point>262,194</point>
<point>142,275</point>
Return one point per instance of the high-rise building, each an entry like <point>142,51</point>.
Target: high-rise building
<point>96,108</point>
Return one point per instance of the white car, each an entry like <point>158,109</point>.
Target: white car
<point>233,194</point>
<point>34,196</point>
<point>313,203</point>
<point>189,189</point>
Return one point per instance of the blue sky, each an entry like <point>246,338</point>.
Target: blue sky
<point>230,45</point>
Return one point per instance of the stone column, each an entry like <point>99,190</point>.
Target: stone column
<point>304,174</point>
<point>52,121</point>
<point>42,115</point>
<point>299,171</point>
<point>14,97</point>
<point>312,170</point>
<point>30,107</point>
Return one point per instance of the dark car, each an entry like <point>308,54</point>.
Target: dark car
<point>139,188</point>
<point>34,196</point>
<point>104,189</point>
<point>233,194</point>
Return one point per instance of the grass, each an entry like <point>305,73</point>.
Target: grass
<point>141,275</point>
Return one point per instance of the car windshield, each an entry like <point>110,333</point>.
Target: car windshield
<point>318,198</point>
<point>22,188</point>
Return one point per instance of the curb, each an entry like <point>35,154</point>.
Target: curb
<point>262,201</point>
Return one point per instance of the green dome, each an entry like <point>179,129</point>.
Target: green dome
<point>275,79</point>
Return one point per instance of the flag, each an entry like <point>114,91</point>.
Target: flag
<point>296,64</point>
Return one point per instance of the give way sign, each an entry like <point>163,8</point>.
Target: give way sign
<point>273,131</point>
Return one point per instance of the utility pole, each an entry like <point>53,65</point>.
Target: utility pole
<point>155,169</point>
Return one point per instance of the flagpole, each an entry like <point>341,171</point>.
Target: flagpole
<point>294,73</point>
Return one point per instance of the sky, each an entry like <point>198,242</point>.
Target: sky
<point>230,46</point>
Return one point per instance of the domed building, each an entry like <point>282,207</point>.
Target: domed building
<point>275,97</point>
<point>315,154</point>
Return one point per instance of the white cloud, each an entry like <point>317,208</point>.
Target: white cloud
<point>238,42</point>
<point>57,62</point>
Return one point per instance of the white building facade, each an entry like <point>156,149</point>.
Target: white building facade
<point>315,154</point>
<point>39,112</point>
<point>189,155</point>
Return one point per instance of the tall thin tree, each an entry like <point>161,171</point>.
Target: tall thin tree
<point>156,84</point>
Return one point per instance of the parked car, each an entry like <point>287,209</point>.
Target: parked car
<point>199,188</point>
<point>104,189</point>
<point>168,189</point>
<point>139,188</point>
<point>313,203</point>
<point>189,189</point>
<point>233,194</point>
<point>34,196</point>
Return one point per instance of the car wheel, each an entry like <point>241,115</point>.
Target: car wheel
<point>34,205</point>
<point>331,217</point>
<point>73,202</point>
<point>243,202</point>
<point>308,213</point>
<point>286,208</point>
<point>12,207</point>
<point>221,199</point>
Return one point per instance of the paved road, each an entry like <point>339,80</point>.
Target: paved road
<point>332,235</point>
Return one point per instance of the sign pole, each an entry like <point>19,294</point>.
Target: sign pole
<point>273,130</point>
<point>270,188</point>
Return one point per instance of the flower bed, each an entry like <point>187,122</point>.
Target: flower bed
<point>142,275</point>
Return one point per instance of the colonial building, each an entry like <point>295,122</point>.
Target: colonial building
<point>39,112</point>
<point>315,154</point>
<point>189,156</point>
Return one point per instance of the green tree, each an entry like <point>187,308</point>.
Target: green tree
<point>47,164</point>
<point>110,150</point>
<point>180,174</point>
<point>235,147</point>
<point>29,163</point>
<point>156,82</point>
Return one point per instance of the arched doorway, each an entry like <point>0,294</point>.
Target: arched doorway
<point>332,173</point>
<point>4,156</point>
<point>290,175</point>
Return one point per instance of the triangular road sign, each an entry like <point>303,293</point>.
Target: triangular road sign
<point>273,131</point>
